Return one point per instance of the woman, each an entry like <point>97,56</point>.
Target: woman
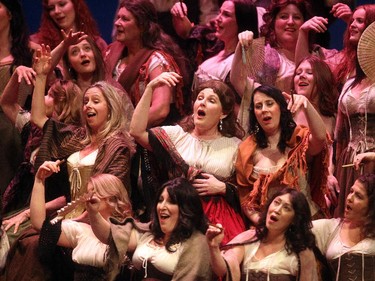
<point>349,242</point>
<point>66,15</point>
<point>234,17</point>
<point>101,146</point>
<point>278,249</point>
<point>63,102</point>
<point>15,50</point>
<point>314,79</point>
<point>274,63</point>
<point>173,248</point>
<point>88,251</point>
<point>141,52</point>
<point>280,153</point>
<point>203,147</point>
<point>354,131</point>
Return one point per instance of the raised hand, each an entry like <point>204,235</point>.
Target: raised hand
<point>245,38</point>
<point>179,10</point>
<point>342,11</point>
<point>47,169</point>
<point>296,102</point>
<point>209,185</point>
<point>316,24</point>
<point>73,38</point>
<point>26,73</point>
<point>42,60</point>
<point>165,78</point>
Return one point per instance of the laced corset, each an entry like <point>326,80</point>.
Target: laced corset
<point>360,113</point>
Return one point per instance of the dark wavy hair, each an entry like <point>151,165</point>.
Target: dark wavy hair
<point>231,127</point>
<point>349,62</point>
<point>299,235</point>
<point>19,34</point>
<point>191,215</point>
<point>325,85</point>
<point>287,124</point>
<point>246,16</point>
<point>368,181</point>
<point>49,32</point>
<point>152,35</point>
<point>100,70</point>
<point>268,28</point>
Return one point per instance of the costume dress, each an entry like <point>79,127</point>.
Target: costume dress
<point>256,186</point>
<point>188,156</point>
<point>355,134</point>
<point>348,263</point>
<point>192,262</point>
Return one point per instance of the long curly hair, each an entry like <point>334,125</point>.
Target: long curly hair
<point>100,69</point>
<point>287,124</point>
<point>368,181</point>
<point>230,124</point>
<point>152,35</point>
<point>325,85</point>
<point>19,34</point>
<point>49,32</point>
<point>191,215</point>
<point>349,61</point>
<point>268,28</point>
<point>299,235</point>
<point>67,100</point>
<point>110,188</point>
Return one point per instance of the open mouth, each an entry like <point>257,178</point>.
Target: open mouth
<point>164,216</point>
<point>273,218</point>
<point>303,84</point>
<point>85,62</point>
<point>267,118</point>
<point>91,114</point>
<point>201,113</point>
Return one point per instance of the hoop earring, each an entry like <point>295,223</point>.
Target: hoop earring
<point>221,125</point>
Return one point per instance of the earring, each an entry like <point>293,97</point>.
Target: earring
<point>256,129</point>
<point>221,125</point>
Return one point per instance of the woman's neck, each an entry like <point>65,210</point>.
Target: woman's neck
<point>5,44</point>
<point>274,238</point>
<point>84,81</point>
<point>273,139</point>
<point>206,135</point>
<point>134,47</point>
<point>230,46</point>
<point>289,52</point>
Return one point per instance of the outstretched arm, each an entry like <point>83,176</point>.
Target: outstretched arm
<point>42,67</point>
<point>315,24</point>
<point>318,138</point>
<point>181,22</point>
<point>238,76</point>
<point>141,113</point>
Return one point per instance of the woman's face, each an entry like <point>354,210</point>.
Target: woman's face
<point>168,213</point>
<point>127,29</point>
<point>287,24</point>
<point>62,13</point>
<point>280,214</point>
<point>267,112</point>
<point>207,110</point>
<point>226,23</point>
<point>304,83</point>
<point>5,18</point>
<point>95,109</point>
<point>81,58</point>
<point>356,203</point>
<point>357,26</point>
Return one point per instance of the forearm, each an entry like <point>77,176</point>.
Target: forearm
<point>100,226</point>
<point>138,124</point>
<point>38,110</point>
<point>238,74</point>
<point>37,204</point>
<point>318,137</point>
<point>56,204</point>
<point>182,26</point>
<point>217,261</point>
<point>57,53</point>
<point>302,47</point>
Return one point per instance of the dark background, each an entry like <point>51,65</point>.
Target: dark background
<point>104,10</point>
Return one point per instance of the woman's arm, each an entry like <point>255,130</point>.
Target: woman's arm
<point>318,137</point>
<point>9,98</point>
<point>99,225</point>
<point>181,22</point>
<point>315,24</point>
<point>238,76</point>
<point>148,105</point>
<point>42,66</point>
